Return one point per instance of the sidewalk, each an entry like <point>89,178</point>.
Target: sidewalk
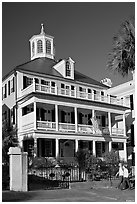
<point>79,192</point>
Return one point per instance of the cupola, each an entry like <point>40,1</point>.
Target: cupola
<point>42,45</point>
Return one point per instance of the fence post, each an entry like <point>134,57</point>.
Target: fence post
<point>18,169</point>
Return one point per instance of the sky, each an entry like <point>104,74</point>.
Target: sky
<point>82,31</point>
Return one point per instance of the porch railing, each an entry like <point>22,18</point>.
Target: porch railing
<point>46,125</point>
<point>67,92</point>
<point>68,127</point>
<point>85,128</point>
<point>73,93</point>
<point>45,88</point>
<point>117,131</point>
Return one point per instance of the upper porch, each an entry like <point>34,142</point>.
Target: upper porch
<point>69,90</point>
<point>71,120</point>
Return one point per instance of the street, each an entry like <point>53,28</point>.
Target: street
<point>79,192</point>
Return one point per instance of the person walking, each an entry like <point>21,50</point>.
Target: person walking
<point>120,173</point>
<point>125,177</point>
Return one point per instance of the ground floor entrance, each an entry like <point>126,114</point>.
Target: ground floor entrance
<point>64,148</point>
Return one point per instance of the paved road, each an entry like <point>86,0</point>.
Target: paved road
<point>75,194</point>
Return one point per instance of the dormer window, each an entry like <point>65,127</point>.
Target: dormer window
<point>68,69</point>
<point>48,47</point>
<point>39,46</point>
<point>33,49</point>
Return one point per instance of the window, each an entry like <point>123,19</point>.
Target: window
<point>62,86</point>
<point>39,46</point>
<point>72,87</point>
<point>117,145</point>
<point>47,83</point>
<point>12,85</point>
<point>82,89</point>
<point>53,83</point>
<point>36,80</point>
<point>28,109</point>
<point>33,49</point>
<point>89,90</point>
<point>68,69</point>
<point>27,81</point>
<point>9,87</point>
<point>48,47</point>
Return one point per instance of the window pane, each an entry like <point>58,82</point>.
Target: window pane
<point>48,47</point>
<point>62,86</point>
<point>39,46</point>
<point>53,83</point>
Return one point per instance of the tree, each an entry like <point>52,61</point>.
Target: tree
<point>86,161</point>
<point>112,160</point>
<point>9,139</point>
<point>122,56</point>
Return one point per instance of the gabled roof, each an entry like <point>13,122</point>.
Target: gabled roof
<point>45,66</point>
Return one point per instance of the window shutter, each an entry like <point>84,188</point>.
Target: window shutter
<point>72,118</point>
<point>5,90</point>
<point>80,118</point>
<point>9,87</point>
<point>24,82</point>
<point>62,116</point>
<point>103,121</point>
<point>13,84</point>
<point>53,115</point>
<point>132,135</point>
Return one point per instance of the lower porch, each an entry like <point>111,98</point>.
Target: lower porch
<point>67,148</point>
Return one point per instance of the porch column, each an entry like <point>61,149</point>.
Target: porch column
<point>56,117</point>
<point>110,146</point>
<point>76,145</point>
<point>124,124</point>
<point>93,95</point>
<point>109,123</point>
<point>35,119</point>
<point>35,147</point>
<point>125,151</point>
<point>109,99</point>
<point>76,120</point>
<point>93,115</point>
<point>94,147</point>
<point>57,147</point>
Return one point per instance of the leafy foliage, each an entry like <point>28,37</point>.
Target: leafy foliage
<point>82,157</point>
<point>41,162</point>
<point>9,139</point>
<point>111,157</point>
<point>122,56</point>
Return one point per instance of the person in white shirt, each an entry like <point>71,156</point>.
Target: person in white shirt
<point>125,177</point>
<point>120,172</point>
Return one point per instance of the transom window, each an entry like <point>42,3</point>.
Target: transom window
<point>48,47</point>
<point>68,69</point>
<point>39,46</point>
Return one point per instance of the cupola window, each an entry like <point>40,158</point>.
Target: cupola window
<point>39,46</point>
<point>48,47</point>
<point>68,69</point>
<point>33,49</point>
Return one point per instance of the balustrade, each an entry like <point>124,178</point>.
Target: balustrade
<point>73,93</point>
